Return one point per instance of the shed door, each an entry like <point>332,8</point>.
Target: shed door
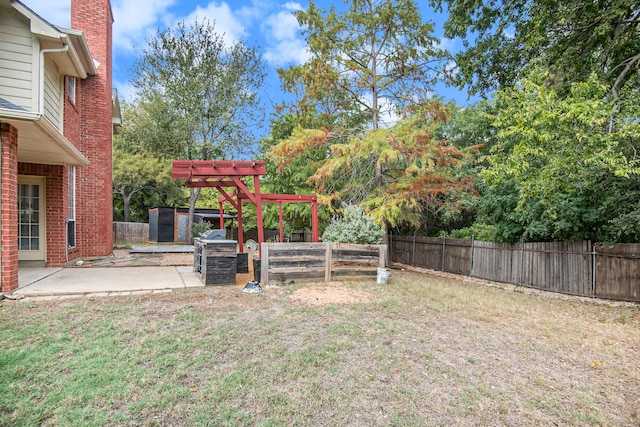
<point>31,219</point>
<point>182,219</point>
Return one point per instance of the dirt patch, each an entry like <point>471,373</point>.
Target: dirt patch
<point>330,293</point>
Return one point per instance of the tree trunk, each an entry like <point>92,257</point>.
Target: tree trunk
<point>126,207</point>
<point>193,198</point>
<point>126,204</point>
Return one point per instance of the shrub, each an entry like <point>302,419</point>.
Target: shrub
<point>201,227</point>
<point>355,226</point>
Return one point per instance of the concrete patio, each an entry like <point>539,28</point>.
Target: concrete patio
<point>103,281</point>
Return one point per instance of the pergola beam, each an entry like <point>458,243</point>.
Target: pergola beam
<point>223,174</point>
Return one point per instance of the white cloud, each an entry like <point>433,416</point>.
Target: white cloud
<point>282,33</point>
<point>125,90</point>
<point>135,21</point>
<point>226,22</point>
<point>449,45</point>
<point>255,11</point>
<point>57,12</point>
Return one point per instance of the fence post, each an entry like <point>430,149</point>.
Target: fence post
<point>390,253</point>
<point>444,244</point>
<point>382,258</point>
<point>264,264</point>
<point>473,239</point>
<point>328,261</point>
<point>593,270</point>
<point>521,260</point>
<point>413,254</point>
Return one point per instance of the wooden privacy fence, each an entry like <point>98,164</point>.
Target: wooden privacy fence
<point>130,232</point>
<point>576,268</point>
<point>285,262</point>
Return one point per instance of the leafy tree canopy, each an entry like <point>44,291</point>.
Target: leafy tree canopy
<point>202,92</point>
<point>374,61</point>
<point>415,168</point>
<point>560,169</point>
<point>572,39</point>
<point>140,179</point>
<point>206,89</point>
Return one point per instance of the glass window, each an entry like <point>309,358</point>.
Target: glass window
<point>71,208</point>
<point>71,89</point>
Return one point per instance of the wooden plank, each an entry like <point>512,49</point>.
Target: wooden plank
<point>264,263</point>
<point>319,264</point>
<point>617,272</point>
<point>294,257</point>
<point>355,272</point>
<point>328,263</point>
<point>383,256</point>
<point>318,261</point>
<point>285,270</point>
<point>297,246</point>
<point>348,254</point>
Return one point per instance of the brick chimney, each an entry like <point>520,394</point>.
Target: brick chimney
<point>94,212</point>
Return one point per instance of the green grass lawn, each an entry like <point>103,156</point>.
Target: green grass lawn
<point>422,350</point>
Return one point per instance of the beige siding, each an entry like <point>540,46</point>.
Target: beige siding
<point>53,94</point>
<point>17,79</point>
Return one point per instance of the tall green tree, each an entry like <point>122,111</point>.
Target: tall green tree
<point>205,90</point>
<point>558,169</point>
<point>141,179</point>
<point>290,177</point>
<point>571,38</point>
<point>134,174</point>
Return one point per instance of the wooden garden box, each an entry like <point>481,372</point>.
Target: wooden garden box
<point>215,261</point>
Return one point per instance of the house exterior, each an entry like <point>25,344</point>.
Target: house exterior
<point>57,118</point>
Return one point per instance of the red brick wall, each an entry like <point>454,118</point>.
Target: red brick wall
<point>72,133</point>
<point>55,210</point>
<point>9,208</point>
<point>94,214</point>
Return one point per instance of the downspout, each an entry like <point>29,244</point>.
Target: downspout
<point>64,48</point>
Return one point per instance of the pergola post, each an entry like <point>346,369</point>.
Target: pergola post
<point>221,210</point>
<point>314,219</point>
<point>258,203</point>
<point>281,224</point>
<point>240,236</point>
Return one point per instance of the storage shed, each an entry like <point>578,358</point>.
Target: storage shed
<point>169,224</point>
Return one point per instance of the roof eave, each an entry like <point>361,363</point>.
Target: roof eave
<point>77,60</point>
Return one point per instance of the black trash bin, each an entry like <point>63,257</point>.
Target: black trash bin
<point>243,263</point>
<point>256,269</point>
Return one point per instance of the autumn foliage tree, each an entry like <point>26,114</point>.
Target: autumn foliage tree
<point>368,87</point>
<point>415,169</point>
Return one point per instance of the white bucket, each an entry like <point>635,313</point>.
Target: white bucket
<point>383,275</point>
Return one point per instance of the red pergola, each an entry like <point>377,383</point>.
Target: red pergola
<point>230,175</point>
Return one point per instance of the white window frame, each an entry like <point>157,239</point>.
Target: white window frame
<point>71,89</point>
<point>71,208</point>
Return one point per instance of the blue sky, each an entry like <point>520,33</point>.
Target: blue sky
<point>268,24</point>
